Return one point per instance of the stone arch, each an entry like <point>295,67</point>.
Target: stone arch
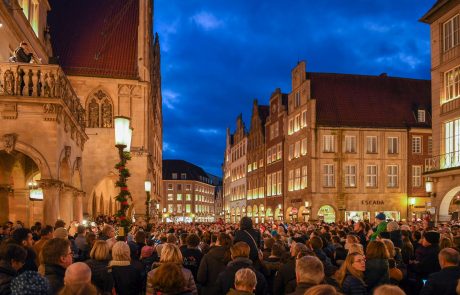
<point>100,109</point>
<point>328,213</point>
<point>446,200</point>
<point>103,190</point>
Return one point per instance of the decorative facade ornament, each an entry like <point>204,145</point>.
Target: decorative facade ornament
<point>8,84</point>
<point>100,110</point>
<point>9,142</point>
<point>50,184</point>
<point>107,114</point>
<point>67,152</point>
<point>78,163</point>
<point>9,111</point>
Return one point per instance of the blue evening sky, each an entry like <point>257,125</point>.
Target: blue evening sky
<point>218,55</point>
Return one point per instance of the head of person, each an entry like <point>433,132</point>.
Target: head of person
<point>13,254</point>
<point>77,274</point>
<point>356,248</point>
<point>224,239</point>
<point>240,250</point>
<point>297,249</point>
<point>46,232</point>
<point>90,238</point>
<point>359,226</point>
<point>445,243</point>
<point>321,290</point>
<point>183,238</point>
<point>193,240</point>
<point>100,251</point>
<point>392,226</point>
<point>140,237</point>
<point>448,257</point>
<point>168,279</point>
<point>245,280</point>
<point>390,247</point>
<point>23,236</point>
<point>108,231</point>
<point>316,243</point>
<point>121,252</point>
<point>380,217</point>
<point>81,229</point>
<point>56,252</point>
<point>309,269</point>
<point>277,250</point>
<point>61,233</point>
<point>171,239</point>
<point>146,252</point>
<point>430,238</point>
<point>377,250</point>
<point>171,253</point>
<point>388,290</point>
<point>30,283</point>
<point>59,223</point>
<point>354,264</point>
<point>246,223</point>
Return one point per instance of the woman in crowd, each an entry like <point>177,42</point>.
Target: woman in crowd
<point>350,276</point>
<point>377,268</point>
<point>168,279</point>
<point>127,279</point>
<point>100,276</point>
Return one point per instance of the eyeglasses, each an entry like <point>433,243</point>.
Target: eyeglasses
<point>360,260</point>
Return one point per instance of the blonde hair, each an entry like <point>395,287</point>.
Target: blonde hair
<point>347,267</point>
<point>100,250</point>
<point>356,248</point>
<point>240,249</point>
<point>120,252</point>
<point>171,253</point>
<point>245,277</point>
<point>392,226</point>
<point>377,249</point>
<point>388,290</point>
<point>321,290</point>
<point>390,247</point>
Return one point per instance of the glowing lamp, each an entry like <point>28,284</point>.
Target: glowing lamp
<point>412,201</point>
<point>148,186</point>
<point>122,132</point>
<point>429,186</point>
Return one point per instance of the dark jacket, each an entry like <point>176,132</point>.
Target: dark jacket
<point>226,279</point>
<point>100,276</point>
<point>301,288</point>
<point>31,259</point>
<point>243,236</point>
<point>377,273</point>
<point>285,281</point>
<point>55,275</point>
<point>213,263</point>
<point>396,238</point>
<point>443,282</point>
<point>353,286</point>
<point>428,263</point>
<point>22,56</point>
<point>272,266</point>
<point>127,280</point>
<point>362,238</point>
<point>192,259</point>
<point>7,273</point>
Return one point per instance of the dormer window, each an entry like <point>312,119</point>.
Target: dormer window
<point>421,116</point>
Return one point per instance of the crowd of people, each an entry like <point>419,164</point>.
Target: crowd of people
<point>352,258</point>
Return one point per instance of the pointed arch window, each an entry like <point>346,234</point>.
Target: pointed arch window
<point>100,110</point>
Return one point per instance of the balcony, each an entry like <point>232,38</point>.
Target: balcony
<point>450,106</point>
<point>449,161</point>
<point>47,84</point>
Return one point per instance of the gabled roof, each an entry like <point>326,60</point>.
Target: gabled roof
<point>95,38</point>
<point>264,111</point>
<point>440,3</point>
<point>369,101</point>
<point>180,166</point>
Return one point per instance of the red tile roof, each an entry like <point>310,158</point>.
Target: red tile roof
<point>369,101</point>
<point>95,38</point>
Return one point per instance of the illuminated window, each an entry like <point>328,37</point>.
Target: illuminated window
<point>328,175</point>
<point>328,144</point>
<point>371,144</point>
<point>451,33</point>
<point>393,145</point>
<point>417,176</point>
<point>417,144</point>
<point>392,175</point>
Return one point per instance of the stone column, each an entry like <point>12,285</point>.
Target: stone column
<point>65,204</point>
<point>5,207</point>
<point>51,190</point>
<point>78,205</point>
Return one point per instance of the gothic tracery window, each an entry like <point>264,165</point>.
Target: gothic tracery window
<point>100,110</point>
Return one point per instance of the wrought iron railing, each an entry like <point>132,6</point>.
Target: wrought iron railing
<point>441,162</point>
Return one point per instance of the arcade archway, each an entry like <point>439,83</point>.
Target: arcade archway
<point>449,203</point>
<point>326,213</point>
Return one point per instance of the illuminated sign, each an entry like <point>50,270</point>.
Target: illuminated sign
<point>36,194</point>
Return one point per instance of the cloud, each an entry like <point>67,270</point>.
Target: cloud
<point>167,148</point>
<point>209,131</point>
<point>170,99</point>
<point>207,21</point>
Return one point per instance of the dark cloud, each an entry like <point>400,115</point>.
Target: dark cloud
<point>217,56</point>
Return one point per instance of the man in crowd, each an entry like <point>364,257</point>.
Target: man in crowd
<point>12,258</point>
<point>46,234</point>
<point>309,272</point>
<point>444,281</point>
<point>285,279</point>
<point>23,237</point>
<point>56,256</point>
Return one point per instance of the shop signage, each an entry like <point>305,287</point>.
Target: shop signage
<point>372,202</point>
<point>296,200</point>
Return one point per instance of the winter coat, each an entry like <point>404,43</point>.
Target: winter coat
<point>243,236</point>
<point>428,263</point>
<point>396,238</point>
<point>213,263</point>
<point>192,259</point>
<point>377,273</point>
<point>226,279</point>
<point>100,276</point>
<point>301,288</point>
<point>285,281</point>
<point>353,286</point>
<point>7,273</point>
<point>442,282</point>
<point>272,266</point>
<point>55,275</point>
<point>31,261</point>
<point>188,276</point>
<point>127,279</point>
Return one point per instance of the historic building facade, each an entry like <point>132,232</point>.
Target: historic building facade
<point>189,193</point>
<point>443,170</point>
<point>57,119</point>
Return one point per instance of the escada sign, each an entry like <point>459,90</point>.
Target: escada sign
<point>372,202</point>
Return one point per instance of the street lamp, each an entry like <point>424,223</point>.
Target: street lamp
<point>148,189</point>
<point>429,187</point>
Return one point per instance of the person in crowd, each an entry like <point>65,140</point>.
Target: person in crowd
<point>108,234</point>
<point>59,223</point>
<point>426,256</point>
<point>168,279</point>
<point>240,252</point>
<point>285,278</point>
<point>56,256</point>
<point>273,264</point>
<point>22,53</point>
<point>170,253</point>
<point>309,272</point>
<point>350,240</point>
<point>46,234</point>
<point>445,243</point>
<point>23,237</point>
<point>359,230</point>
<point>183,241</point>
<point>90,240</point>
<point>350,276</point>
<point>317,245</point>
<point>250,236</point>
<point>148,257</point>
<point>267,249</point>
<point>380,225</point>
<point>395,233</point>
<point>30,283</point>
<point>192,255</point>
<point>407,250</point>
<point>377,268</point>
<point>213,263</point>
<point>163,240</point>
<point>98,264</point>
<point>245,282</point>
<point>444,281</point>
<point>388,290</point>
<point>127,279</point>
<point>77,280</point>
<point>80,240</point>
<point>322,290</point>
<point>12,258</point>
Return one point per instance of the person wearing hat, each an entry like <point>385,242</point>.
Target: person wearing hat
<point>380,226</point>
<point>426,257</point>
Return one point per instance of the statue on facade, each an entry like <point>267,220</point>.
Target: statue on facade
<point>93,114</point>
<point>106,114</point>
<point>9,82</point>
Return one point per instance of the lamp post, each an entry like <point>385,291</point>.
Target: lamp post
<point>409,208</point>
<point>123,134</point>
<point>429,187</point>
<point>148,189</point>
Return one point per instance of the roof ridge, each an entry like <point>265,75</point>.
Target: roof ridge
<point>383,75</point>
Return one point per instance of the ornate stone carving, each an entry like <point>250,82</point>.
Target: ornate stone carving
<point>50,85</point>
<point>9,142</point>
<point>9,111</point>
<point>67,152</point>
<point>51,111</point>
<point>78,163</point>
<point>106,114</point>
<point>8,85</point>
<point>50,184</point>
<point>93,114</point>
<point>66,123</point>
